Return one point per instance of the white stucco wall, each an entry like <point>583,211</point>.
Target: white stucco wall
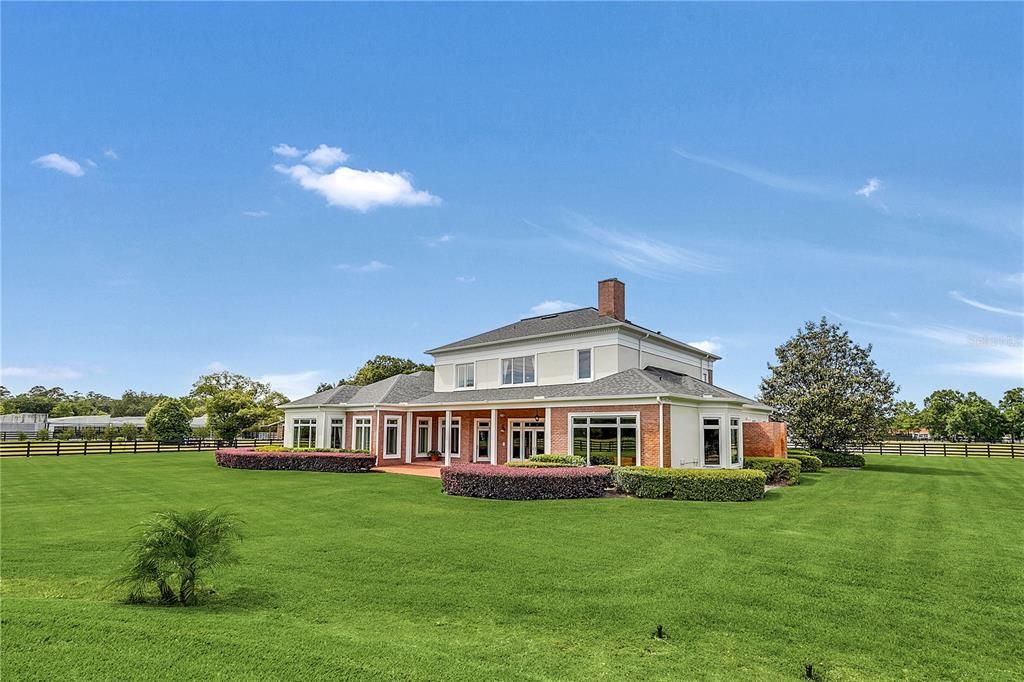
<point>556,367</point>
<point>685,436</point>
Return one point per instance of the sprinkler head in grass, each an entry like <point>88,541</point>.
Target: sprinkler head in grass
<point>659,632</point>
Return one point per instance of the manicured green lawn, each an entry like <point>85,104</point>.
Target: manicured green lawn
<point>910,569</point>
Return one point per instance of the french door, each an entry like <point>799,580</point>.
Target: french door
<point>525,439</point>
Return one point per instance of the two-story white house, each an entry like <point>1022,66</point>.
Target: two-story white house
<point>587,382</point>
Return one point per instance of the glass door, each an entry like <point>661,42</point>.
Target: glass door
<point>525,440</point>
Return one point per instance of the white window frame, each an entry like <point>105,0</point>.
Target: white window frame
<point>331,423</point>
<point>472,369</point>
<point>723,452</point>
<point>299,422</point>
<point>424,421</point>
<point>591,352</point>
<point>392,421</point>
<point>513,358</point>
<point>442,436</point>
<point>364,421</point>
<point>618,453</point>
<point>477,423</point>
<point>738,427</point>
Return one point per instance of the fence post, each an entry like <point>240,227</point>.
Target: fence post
<point>988,448</point>
<point>28,448</point>
<point>899,448</point>
<point>85,447</point>
<point>965,449</point>
<point>158,446</point>
<point>110,447</point>
<point>943,448</point>
<point>179,446</point>
<point>58,448</point>
<point>135,446</point>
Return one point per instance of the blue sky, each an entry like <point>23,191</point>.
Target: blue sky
<point>444,169</point>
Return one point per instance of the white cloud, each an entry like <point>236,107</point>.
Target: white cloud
<point>869,188</point>
<point>91,164</point>
<point>956,295</point>
<point>372,266</point>
<point>551,307</point>
<point>111,154</point>
<point>287,151</point>
<point>60,163</point>
<point>1012,280</point>
<point>41,372</point>
<point>294,385</point>
<point>438,240</point>
<point>326,157</point>
<point>255,214</point>
<point>359,190</point>
<point>465,279</point>
<point>216,366</point>
<point>707,345</point>
<point>636,252</point>
<point>755,174</point>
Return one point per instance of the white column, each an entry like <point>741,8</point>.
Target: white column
<point>493,445</point>
<point>547,430</point>
<point>447,437</point>
<point>661,435</point>
<point>408,437</point>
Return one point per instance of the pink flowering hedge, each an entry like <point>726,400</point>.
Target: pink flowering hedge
<point>508,483</point>
<point>340,462</point>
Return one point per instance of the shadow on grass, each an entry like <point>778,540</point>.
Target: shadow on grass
<point>925,471</point>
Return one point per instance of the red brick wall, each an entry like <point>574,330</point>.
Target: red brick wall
<point>611,298</point>
<point>764,439</point>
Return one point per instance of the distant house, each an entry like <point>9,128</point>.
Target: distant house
<point>588,382</point>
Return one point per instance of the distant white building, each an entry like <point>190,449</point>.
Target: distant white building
<point>22,422</point>
<point>102,421</point>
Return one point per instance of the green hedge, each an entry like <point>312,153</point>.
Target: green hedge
<point>835,459</point>
<point>565,460</point>
<point>710,485</point>
<point>779,470</point>
<point>808,463</point>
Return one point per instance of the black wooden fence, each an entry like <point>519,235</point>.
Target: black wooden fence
<point>30,448</point>
<point>939,449</point>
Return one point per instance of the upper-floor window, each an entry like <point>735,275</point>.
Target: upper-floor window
<point>518,370</point>
<point>464,375</point>
<point>584,364</point>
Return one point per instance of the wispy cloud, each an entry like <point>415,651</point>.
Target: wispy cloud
<point>438,240</point>
<point>372,266</point>
<point>552,307</point>
<point>326,157</point>
<point>708,345</point>
<point>42,372</point>
<point>91,164</point>
<point>287,151</point>
<point>1012,280</point>
<point>869,188</point>
<point>635,251</point>
<point>755,174</point>
<point>256,214</point>
<point>295,385</point>
<point>956,295</point>
<point>111,154</point>
<point>989,354</point>
<point>465,279</point>
<point>357,190</point>
<point>216,366</point>
<point>61,164</point>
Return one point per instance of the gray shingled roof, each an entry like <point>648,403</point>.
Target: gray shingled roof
<point>568,321</point>
<point>418,389</point>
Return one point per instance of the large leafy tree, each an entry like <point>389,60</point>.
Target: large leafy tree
<point>234,402</point>
<point>937,408</point>
<point>1012,407</point>
<point>379,368</point>
<point>169,419</point>
<point>232,412</point>
<point>828,389</point>
<point>905,417</point>
<point>975,419</point>
<point>134,403</point>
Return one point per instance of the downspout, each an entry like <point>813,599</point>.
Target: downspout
<point>661,433</point>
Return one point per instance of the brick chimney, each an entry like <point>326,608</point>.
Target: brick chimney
<point>611,298</point>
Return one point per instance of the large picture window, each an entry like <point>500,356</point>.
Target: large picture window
<point>361,433</point>
<point>304,433</point>
<point>606,439</point>
<point>392,428</point>
<point>518,371</point>
<point>465,376</point>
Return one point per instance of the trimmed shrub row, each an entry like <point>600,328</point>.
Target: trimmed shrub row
<point>524,483</point>
<point>779,470</point>
<point>338,462</point>
<point>710,485</point>
<point>834,459</point>
<point>808,463</point>
<point>567,460</point>
<point>281,448</point>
